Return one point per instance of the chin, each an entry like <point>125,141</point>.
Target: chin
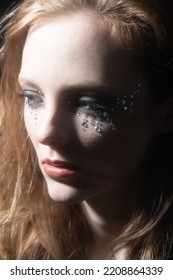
<point>65,194</point>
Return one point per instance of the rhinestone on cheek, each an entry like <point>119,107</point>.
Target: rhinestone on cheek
<point>98,126</point>
<point>85,122</point>
<point>125,102</point>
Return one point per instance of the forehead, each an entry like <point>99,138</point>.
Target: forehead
<point>76,43</point>
<point>77,34</point>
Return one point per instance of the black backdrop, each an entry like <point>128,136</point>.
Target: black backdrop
<point>6,4</point>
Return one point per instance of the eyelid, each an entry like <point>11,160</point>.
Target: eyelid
<point>26,93</point>
<point>88,98</point>
<point>93,100</point>
<point>104,102</point>
<point>32,91</point>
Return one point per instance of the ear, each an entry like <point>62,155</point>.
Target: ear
<point>166,116</point>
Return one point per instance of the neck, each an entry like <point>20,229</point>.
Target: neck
<point>107,215</point>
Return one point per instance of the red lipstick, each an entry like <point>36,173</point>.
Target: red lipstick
<point>59,169</point>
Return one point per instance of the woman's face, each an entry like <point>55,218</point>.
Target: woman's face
<point>87,109</point>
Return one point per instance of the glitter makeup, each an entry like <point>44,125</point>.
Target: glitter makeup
<point>125,103</point>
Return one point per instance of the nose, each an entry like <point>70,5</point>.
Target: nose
<point>54,128</point>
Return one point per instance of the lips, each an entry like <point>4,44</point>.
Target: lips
<point>59,169</point>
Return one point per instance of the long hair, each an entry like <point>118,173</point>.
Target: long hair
<point>32,226</point>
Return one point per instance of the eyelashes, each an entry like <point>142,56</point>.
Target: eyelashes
<point>92,106</point>
<point>32,98</point>
<point>87,105</point>
<point>95,107</point>
<point>93,110</point>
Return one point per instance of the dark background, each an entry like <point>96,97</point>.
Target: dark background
<point>6,5</point>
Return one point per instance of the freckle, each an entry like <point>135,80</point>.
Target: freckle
<point>35,118</point>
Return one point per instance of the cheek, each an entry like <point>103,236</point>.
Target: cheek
<point>120,145</point>
<point>92,130</point>
<point>30,115</point>
<point>31,119</point>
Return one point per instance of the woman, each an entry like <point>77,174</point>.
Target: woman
<point>86,83</point>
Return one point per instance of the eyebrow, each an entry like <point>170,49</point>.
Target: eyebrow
<point>26,82</point>
<point>90,86</point>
